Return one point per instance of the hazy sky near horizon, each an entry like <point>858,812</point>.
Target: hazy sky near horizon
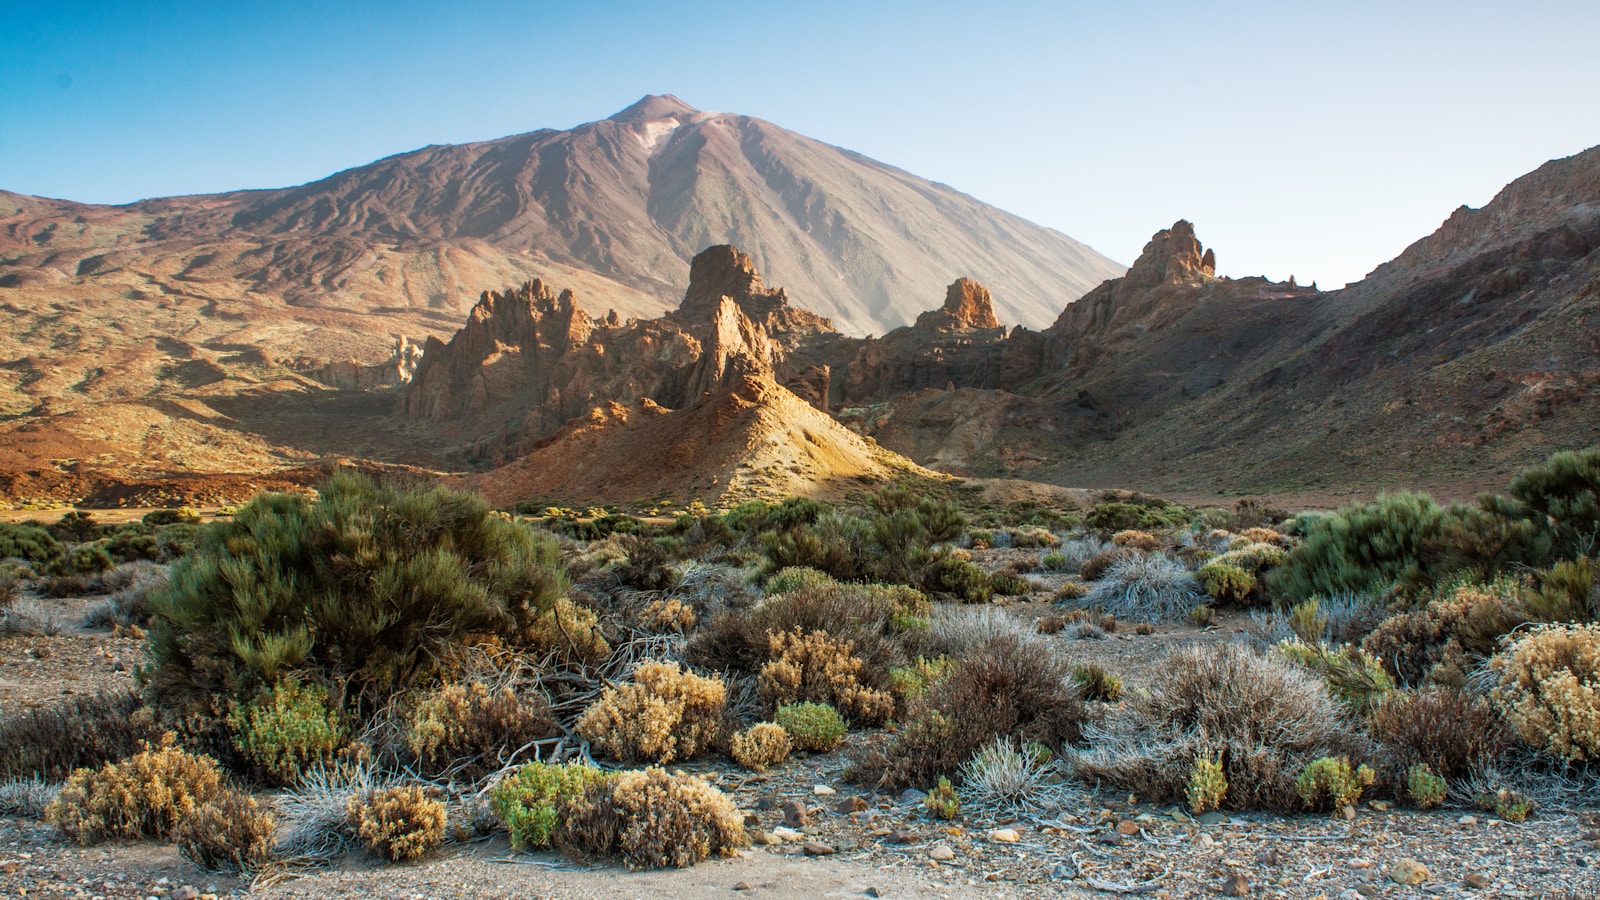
<point>1313,139</point>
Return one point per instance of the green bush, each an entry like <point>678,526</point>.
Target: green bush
<point>950,575</point>
<point>31,542</point>
<point>366,586</point>
<point>1122,516</point>
<point>532,800</point>
<point>287,730</point>
<point>796,577</point>
<point>1225,583</point>
<point>942,801</point>
<point>1330,783</point>
<point>1349,672</point>
<point>1426,789</point>
<point>76,527</point>
<point>817,727</point>
<point>1563,496</point>
<point>86,559</point>
<point>1010,584</point>
<point>1207,785</point>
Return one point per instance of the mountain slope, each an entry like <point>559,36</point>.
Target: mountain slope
<point>629,200</point>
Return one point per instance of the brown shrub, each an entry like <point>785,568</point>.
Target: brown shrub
<point>1263,718</point>
<point>816,668</point>
<point>1070,590</point>
<point>667,616</point>
<point>736,640</point>
<point>664,714</point>
<point>1264,536</point>
<point>468,729</point>
<point>231,834</point>
<point>1097,565</point>
<point>1051,624</point>
<point>1004,688</point>
<point>1435,644</point>
<point>570,632</point>
<point>652,819</point>
<point>145,795</point>
<point>1446,729</point>
<point>1138,540</point>
<point>51,741</point>
<point>760,747</point>
<point>398,823</point>
<point>1549,689</point>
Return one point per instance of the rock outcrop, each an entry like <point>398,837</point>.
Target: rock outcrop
<point>351,375</point>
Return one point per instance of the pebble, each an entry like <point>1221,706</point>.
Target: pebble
<point>186,892</point>
<point>1476,880</point>
<point>1467,820</point>
<point>1235,885</point>
<point>1408,871</point>
<point>1204,840</point>
<point>817,848</point>
<point>912,795</point>
<point>851,805</point>
<point>1127,828</point>
<point>1359,863</point>
<point>786,834</point>
<point>872,892</point>
<point>1005,835</point>
<point>1212,818</point>
<point>942,853</point>
<point>905,837</point>
<point>1351,894</point>
<point>742,886</point>
<point>822,790</point>
<point>795,814</point>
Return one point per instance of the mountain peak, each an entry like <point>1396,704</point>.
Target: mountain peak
<point>1174,255</point>
<point>655,106</point>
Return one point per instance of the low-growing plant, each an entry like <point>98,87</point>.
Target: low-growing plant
<point>1425,789</point>
<point>1070,590</point>
<point>231,833</point>
<point>52,740</point>
<point>569,631</point>
<point>288,729</point>
<point>1507,804</point>
<point>907,683</point>
<point>1146,587</point>
<point>816,727</point>
<point>1202,616</point>
<point>942,801</point>
<point>950,575</point>
<point>652,819</point>
<point>817,668</point>
<point>1053,561</point>
<point>1207,785</point>
<point>664,714</point>
<point>1097,683</point>
<point>398,823</point>
<point>1226,583</point>
<point>760,747</point>
<point>1134,539</point>
<point>532,800</point>
<point>146,795</point>
<point>26,798</point>
<point>1450,731</point>
<point>1548,688</point>
<point>1331,783</point>
<point>470,730</point>
<point>1350,674</point>
<point>1009,584</point>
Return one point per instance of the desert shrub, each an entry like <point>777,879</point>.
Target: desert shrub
<point>817,668</point>
<point>1425,788</point>
<point>182,515</point>
<point>145,795</point>
<point>1033,538</point>
<point>1331,783</point>
<point>796,577</point>
<point>1437,642</point>
<point>667,616</point>
<point>51,741</point>
<point>398,823</point>
<point>1448,730</point>
<point>1507,804</point>
<point>570,632</point>
<point>840,545</point>
<point>1007,687</point>
<point>86,559</point>
<point>954,576</point>
<point>231,833</point>
<point>1566,593</point>
<point>1207,785</point>
<point>1009,778</point>
<point>872,616</point>
<point>365,586</point>
<point>1134,539</point>
<point>942,801</point>
<point>1548,688</point>
<point>470,730</point>
<point>1079,549</point>
<point>1225,583</point>
<point>664,714</point>
<point>287,730</point>
<point>1562,496</point>
<point>1010,585</point>
<point>647,565</point>
<point>1096,683</point>
<point>814,727</point>
<point>1070,590</point>
<point>1118,516</point>
<point>26,798</point>
<point>1263,718</point>
<point>1149,588</point>
<point>532,801</point>
<point>760,747</point>
<point>1260,535</point>
<point>959,630</point>
<point>30,542</point>
<point>909,682</point>
<point>1350,674</point>
<point>652,820</point>
<point>1053,562</point>
<point>1401,539</point>
<point>1095,568</point>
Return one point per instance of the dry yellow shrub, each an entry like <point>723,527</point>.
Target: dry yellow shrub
<point>145,795</point>
<point>818,668</point>
<point>761,747</point>
<point>1264,536</point>
<point>653,819</point>
<point>665,714</point>
<point>570,631</point>
<point>398,823</point>
<point>1549,689</point>
<point>458,723</point>
<point>231,833</point>
<point>1137,540</point>
<point>667,615</point>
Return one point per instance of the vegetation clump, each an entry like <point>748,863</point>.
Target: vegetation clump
<point>817,668</point>
<point>232,833</point>
<point>816,727</point>
<point>1330,783</point>
<point>1425,788</point>
<point>146,795</point>
<point>1548,688</point>
<point>469,729</point>
<point>942,801</point>
<point>761,746</point>
<point>1206,786</point>
<point>398,823</point>
<point>287,730</point>
<point>532,801</point>
<point>663,715</point>
<point>652,819</point>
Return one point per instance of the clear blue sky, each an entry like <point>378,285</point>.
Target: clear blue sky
<point>1314,139</point>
